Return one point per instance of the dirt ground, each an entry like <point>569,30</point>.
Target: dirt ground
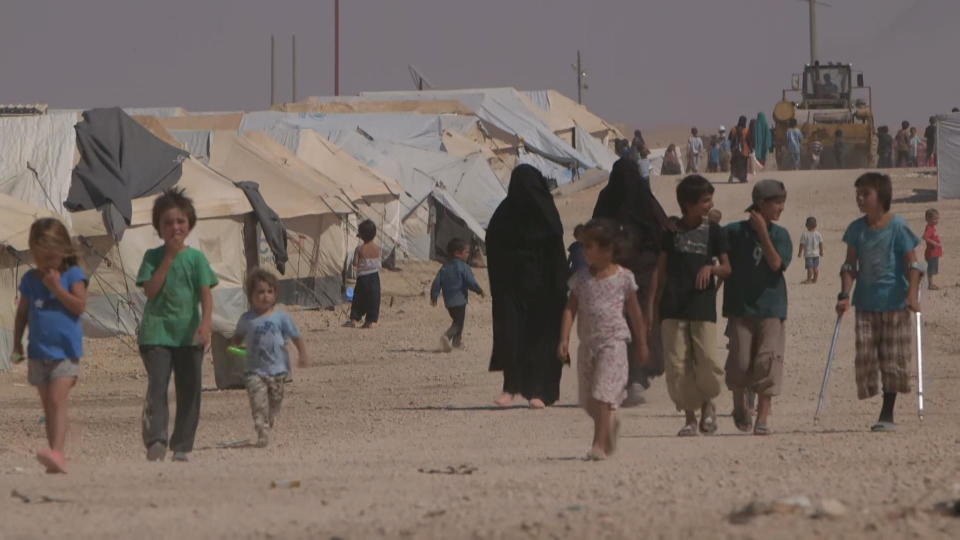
<point>378,410</point>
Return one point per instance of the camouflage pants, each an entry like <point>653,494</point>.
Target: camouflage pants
<point>266,396</point>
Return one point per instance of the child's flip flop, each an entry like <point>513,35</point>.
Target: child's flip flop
<point>689,430</point>
<point>883,427</point>
<point>761,429</point>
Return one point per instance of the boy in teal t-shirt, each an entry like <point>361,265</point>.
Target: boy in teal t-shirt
<point>173,334</point>
<point>880,258</point>
<point>755,302</point>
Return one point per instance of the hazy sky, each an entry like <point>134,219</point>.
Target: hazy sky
<point>650,62</point>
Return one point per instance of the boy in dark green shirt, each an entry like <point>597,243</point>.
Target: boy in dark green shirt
<point>173,334</point>
<point>755,302</point>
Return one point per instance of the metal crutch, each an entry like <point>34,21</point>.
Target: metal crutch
<point>919,359</point>
<point>826,372</point>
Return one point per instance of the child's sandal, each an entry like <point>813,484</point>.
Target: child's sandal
<point>689,430</point>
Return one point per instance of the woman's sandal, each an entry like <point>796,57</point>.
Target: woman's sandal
<point>708,423</point>
<point>689,430</point>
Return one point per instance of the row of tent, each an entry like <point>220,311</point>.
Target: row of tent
<point>284,188</point>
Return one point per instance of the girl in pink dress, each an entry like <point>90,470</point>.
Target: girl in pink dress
<point>601,294</point>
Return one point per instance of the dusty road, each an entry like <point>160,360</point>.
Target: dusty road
<point>379,407</point>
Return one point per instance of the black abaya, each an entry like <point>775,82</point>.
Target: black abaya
<point>629,202</point>
<point>527,266</point>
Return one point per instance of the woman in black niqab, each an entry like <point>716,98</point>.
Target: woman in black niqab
<point>527,266</point>
<point>628,201</point>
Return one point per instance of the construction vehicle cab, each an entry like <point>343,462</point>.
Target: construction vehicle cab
<point>826,100</point>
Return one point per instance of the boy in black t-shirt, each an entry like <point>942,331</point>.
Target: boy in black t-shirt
<point>687,300</point>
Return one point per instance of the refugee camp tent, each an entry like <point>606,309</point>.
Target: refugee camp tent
<point>316,221</point>
<point>37,154</point>
<point>948,156</point>
<point>16,217</point>
<point>565,111</point>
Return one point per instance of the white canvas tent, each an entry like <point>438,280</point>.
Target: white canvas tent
<point>317,228</point>
<point>948,156</point>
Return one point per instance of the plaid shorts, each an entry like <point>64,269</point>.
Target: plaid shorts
<point>883,345</point>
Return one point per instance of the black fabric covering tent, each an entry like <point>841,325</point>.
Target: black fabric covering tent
<point>120,160</point>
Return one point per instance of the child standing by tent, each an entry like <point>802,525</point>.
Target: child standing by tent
<point>265,330</point>
<point>687,300</point>
<point>455,279</point>
<point>173,334</point>
<point>600,295</point>
<point>881,260</point>
<point>755,303</point>
<point>366,294</point>
<point>52,298</point>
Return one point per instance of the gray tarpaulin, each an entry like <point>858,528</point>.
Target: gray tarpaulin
<point>120,160</point>
<point>948,156</point>
<point>274,232</point>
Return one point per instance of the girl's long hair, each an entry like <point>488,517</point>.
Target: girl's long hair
<point>51,234</point>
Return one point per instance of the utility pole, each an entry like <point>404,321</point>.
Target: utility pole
<point>813,32</point>
<point>581,76</point>
<point>293,86</point>
<point>336,47</point>
<point>273,71</point>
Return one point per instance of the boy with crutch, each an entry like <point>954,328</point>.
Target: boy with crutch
<point>880,258</point>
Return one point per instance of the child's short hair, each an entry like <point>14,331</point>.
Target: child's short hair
<point>811,222</point>
<point>51,234</point>
<point>931,213</point>
<point>455,245</point>
<point>693,131</point>
<point>367,230</point>
<point>880,183</point>
<point>644,151</point>
<point>904,124</point>
<point>259,275</point>
<point>691,189</point>
<point>604,233</point>
<point>793,122</point>
<point>838,133</point>
<point>173,198</point>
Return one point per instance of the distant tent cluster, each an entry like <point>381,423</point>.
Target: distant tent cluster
<point>284,188</point>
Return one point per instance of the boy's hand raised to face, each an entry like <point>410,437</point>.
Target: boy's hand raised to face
<point>758,222</point>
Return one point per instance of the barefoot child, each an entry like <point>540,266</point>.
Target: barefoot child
<point>52,298</point>
<point>755,303</point>
<point>881,260</point>
<point>811,249</point>
<point>366,294</point>
<point>687,300</point>
<point>601,294</point>
<point>934,249</point>
<point>173,334</point>
<point>265,330</point>
<point>455,279</point>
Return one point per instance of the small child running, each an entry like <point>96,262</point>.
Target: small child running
<point>880,258</point>
<point>173,333</point>
<point>811,249</point>
<point>265,330</point>
<point>366,294</point>
<point>601,294</point>
<point>755,304</point>
<point>52,298</point>
<point>687,300</point>
<point>934,249</point>
<point>454,279</point>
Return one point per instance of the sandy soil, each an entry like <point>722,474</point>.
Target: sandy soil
<point>380,406</point>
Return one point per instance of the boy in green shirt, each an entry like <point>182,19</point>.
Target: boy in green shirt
<point>755,302</point>
<point>173,335</point>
